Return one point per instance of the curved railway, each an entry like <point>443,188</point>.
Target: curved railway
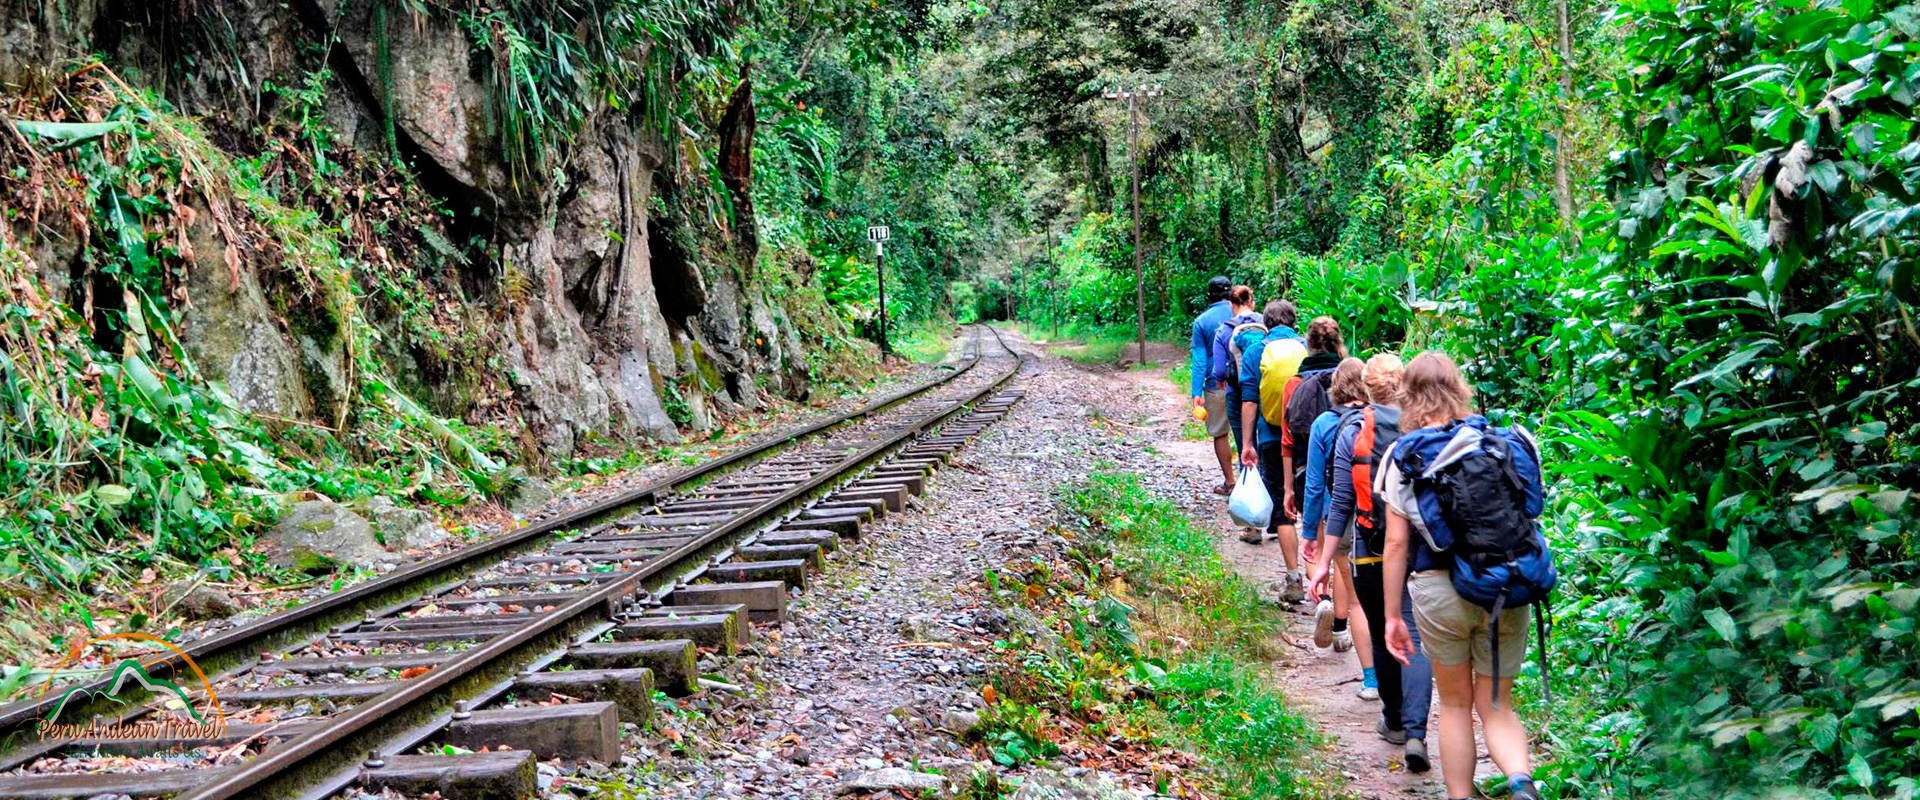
<point>454,674</point>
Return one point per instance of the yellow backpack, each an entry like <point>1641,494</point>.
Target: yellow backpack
<point>1279,362</point>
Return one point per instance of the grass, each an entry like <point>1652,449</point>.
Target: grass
<point>1090,344</point>
<point>1149,641</point>
<point>925,341</point>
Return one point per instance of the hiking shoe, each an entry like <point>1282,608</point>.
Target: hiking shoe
<point>1295,589</point>
<point>1368,693</point>
<point>1527,791</point>
<point>1253,536</point>
<point>1390,735</point>
<point>1323,624</point>
<point>1343,641</point>
<point>1417,756</point>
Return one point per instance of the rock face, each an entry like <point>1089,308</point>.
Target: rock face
<point>612,317</point>
<point>316,535</point>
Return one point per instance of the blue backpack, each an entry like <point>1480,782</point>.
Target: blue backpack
<point>1480,498</point>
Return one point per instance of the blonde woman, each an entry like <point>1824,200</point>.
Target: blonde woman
<point>1468,646</point>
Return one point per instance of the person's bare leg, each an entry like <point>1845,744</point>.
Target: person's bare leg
<point>1506,737</point>
<point>1223,450</point>
<point>1455,684</point>
<point>1289,545</point>
<point>1344,604</point>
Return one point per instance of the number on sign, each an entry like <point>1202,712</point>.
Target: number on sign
<point>878,233</point>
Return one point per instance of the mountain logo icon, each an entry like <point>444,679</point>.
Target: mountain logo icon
<point>129,671</point>
<point>145,685</point>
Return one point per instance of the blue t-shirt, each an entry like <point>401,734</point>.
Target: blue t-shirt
<point>1203,326</point>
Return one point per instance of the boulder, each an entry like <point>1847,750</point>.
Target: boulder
<point>193,599</point>
<point>401,527</point>
<point>891,779</point>
<point>1048,784</point>
<point>317,535</point>
<point>524,494</point>
<point>960,722</point>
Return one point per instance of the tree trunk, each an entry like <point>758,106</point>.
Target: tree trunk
<point>1562,179</point>
<point>736,166</point>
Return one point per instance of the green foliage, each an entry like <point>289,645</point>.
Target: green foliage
<point>926,341</point>
<point>1015,734</point>
<point>1772,226</point>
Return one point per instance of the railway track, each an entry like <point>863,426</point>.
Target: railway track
<point>455,674</point>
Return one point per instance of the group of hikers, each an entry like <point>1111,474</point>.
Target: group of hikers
<point>1406,518</point>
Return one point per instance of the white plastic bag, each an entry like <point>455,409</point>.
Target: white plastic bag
<point>1250,504</point>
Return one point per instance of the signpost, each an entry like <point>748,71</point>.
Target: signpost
<point>878,234</point>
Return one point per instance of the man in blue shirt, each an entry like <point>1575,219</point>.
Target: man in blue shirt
<point>1224,373</point>
<point>1212,399</point>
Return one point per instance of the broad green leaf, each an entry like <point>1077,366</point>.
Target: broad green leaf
<point>1722,623</point>
<point>1860,771</point>
<point>112,494</point>
<point>68,134</point>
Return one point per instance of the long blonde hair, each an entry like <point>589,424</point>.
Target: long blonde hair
<point>1433,392</point>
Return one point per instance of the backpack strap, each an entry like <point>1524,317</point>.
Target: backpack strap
<point>1363,471</point>
<point>1286,397</point>
<point>1542,628</point>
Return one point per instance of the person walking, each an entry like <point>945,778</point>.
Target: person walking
<point>1212,401</point>
<point>1223,372</point>
<point>1266,364</point>
<point>1332,614</point>
<point>1474,652</point>
<point>1364,433</point>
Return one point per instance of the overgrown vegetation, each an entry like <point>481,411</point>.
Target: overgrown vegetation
<point>1146,639</point>
<point>118,453</point>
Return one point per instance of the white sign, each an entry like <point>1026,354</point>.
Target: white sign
<point>878,233</point>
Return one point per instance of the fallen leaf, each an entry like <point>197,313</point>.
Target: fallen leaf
<point>414,672</point>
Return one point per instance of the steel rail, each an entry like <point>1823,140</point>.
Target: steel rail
<point>280,772</point>
<point>247,640</point>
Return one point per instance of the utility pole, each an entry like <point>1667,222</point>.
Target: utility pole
<point>878,234</point>
<point>1133,98</point>
<point>1056,302</point>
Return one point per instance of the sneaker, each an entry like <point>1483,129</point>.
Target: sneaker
<point>1390,735</point>
<point>1343,641</point>
<point>1417,756</point>
<point>1253,536</point>
<point>1368,693</point>
<point>1323,624</point>
<point>1527,790</point>
<point>1296,588</point>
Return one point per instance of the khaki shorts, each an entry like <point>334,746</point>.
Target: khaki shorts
<point>1453,630</point>
<point>1215,401</point>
